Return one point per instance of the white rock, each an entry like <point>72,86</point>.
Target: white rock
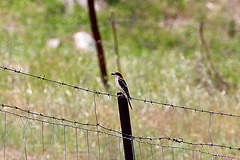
<point>210,5</point>
<point>99,5</point>
<point>83,3</point>
<point>84,41</point>
<point>53,42</point>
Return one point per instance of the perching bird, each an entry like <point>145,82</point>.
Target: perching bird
<point>122,86</point>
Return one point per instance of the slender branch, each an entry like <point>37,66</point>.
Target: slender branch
<point>221,84</point>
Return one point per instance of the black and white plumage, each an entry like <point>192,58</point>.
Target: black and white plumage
<point>122,86</point>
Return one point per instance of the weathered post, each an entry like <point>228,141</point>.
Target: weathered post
<point>126,127</point>
<point>98,41</point>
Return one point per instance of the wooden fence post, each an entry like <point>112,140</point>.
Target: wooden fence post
<point>98,41</point>
<point>126,127</point>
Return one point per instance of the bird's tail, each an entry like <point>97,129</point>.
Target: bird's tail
<point>129,103</point>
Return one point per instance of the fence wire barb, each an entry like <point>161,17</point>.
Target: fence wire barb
<point>109,95</point>
<point>177,140</point>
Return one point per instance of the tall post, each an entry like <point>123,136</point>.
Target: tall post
<point>98,41</point>
<point>115,40</point>
<point>126,127</point>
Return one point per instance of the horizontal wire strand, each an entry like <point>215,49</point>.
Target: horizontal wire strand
<point>111,95</point>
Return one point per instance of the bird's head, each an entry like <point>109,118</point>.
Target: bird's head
<point>117,74</point>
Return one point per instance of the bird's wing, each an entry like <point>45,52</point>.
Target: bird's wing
<point>123,84</point>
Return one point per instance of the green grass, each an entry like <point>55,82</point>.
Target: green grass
<point>160,56</point>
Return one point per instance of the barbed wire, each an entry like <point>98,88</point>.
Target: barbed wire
<point>195,150</point>
<point>40,77</point>
<point>177,140</point>
<point>117,136</point>
<point>180,140</point>
<point>46,116</point>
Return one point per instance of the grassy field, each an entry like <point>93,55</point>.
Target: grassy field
<point>162,59</point>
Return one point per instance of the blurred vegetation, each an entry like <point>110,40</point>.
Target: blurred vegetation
<point>161,58</point>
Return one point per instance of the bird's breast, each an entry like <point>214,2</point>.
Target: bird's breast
<point>118,85</point>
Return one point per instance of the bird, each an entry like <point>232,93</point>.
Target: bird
<point>122,85</point>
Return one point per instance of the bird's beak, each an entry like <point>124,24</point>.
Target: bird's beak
<point>112,73</point>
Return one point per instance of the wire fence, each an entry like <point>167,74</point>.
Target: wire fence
<point>96,131</point>
<point>71,139</point>
<point>100,141</point>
